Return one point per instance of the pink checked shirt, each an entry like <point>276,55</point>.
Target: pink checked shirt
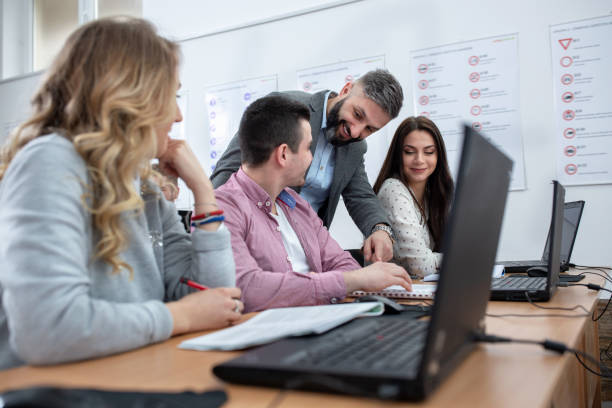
<point>263,269</point>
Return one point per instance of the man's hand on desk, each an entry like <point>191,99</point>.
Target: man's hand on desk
<point>376,277</point>
<point>205,310</point>
<point>378,247</point>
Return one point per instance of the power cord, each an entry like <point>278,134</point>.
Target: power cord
<point>604,276</point>
<point>554,346</point>
<point>567,309</point>
<point>571,265</point>
<point>591,286</point>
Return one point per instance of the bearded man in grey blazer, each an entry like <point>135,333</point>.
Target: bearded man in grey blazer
<point>340,122</point>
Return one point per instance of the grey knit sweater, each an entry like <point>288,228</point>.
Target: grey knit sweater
<point>58,304</point>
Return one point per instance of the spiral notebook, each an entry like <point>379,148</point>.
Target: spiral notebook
<point>419,291</point>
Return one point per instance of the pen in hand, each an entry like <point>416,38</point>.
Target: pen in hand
<point>192,284</point>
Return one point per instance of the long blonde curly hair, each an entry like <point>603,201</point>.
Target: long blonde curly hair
<point>111,84</point>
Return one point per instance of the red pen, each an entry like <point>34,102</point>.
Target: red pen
<point>193,284</point>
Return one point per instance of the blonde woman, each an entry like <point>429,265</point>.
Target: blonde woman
<point>92,256</point>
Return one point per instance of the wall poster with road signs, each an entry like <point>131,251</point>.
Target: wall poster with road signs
<point>225,105</point>
<point>334,77</point>
<point>582,80</point>
<point>474,82</point>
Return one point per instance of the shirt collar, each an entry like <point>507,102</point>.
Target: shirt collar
<point>259,196</point>
<point>324,121</point>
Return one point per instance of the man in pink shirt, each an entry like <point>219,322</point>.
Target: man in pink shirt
<point>284,255</point>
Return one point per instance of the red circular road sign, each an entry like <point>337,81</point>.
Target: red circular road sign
<point>475,93</point>
<point>422,68</point>
<point>307,86</point>
<point>476,126</point>
<point>567,97</point>
<point>423,83</point>
<point>569,115</point>
<point>566,61</point>
<point>569,133</point>
<point>474,77</point>
<point>567,79</point>
<point>348,78</point>
<point>424,100</point>
<point>426,114</point>
<point>571,169</point>
<point>473,60</point>
<point>570,151</point>
<point>475,110</point>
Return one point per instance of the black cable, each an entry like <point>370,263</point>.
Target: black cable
<point>568,309</point>
<point>606,277</point>
<point>588,267</point>
<point>605,309</point>
<point>602,312</point>
<point>535,315</point>
<point>606,352</point>
<point>551,345</point>
<point>591,286</point>
<point>604,371</point>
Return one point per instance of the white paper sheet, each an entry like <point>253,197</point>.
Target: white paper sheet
<point>274,324</point>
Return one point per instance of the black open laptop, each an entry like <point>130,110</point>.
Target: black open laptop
<point>525,288</point>
<point>392,356</point>
<point>572,213</point>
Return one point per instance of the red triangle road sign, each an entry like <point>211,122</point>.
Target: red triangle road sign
<point>565,42</point>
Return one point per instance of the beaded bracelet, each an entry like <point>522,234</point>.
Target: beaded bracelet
<point>197,217</point>
<point>208,220</point>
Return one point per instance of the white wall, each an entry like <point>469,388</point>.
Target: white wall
<point>354,29</point>
<point>16,37</point>
<point>393,28</point>
<point>192,18</point>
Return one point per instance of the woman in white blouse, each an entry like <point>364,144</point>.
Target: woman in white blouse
<point>415,188</point>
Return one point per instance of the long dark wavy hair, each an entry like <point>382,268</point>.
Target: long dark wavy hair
<point>440,186</point>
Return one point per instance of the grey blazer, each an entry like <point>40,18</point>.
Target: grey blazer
<point>350,178</point>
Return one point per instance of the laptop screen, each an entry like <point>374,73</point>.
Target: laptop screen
<point>571,219</point>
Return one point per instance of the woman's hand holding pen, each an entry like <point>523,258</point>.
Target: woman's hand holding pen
<point>205,310</point>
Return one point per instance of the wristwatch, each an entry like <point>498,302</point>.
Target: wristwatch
<point>386,228</point>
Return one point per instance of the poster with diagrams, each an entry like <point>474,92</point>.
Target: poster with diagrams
<point>225,104</point>
<point>582,77</point>
<point>334,77</point>
<point>474,82</point>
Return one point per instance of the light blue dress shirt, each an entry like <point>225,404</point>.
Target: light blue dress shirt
<point>321,172</point>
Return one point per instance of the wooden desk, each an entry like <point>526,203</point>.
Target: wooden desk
<point>495,375</point>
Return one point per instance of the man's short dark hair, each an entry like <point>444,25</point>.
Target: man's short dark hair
<point>266,124</point>
<point>382,87</point>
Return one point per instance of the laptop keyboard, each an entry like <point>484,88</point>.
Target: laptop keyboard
<point>519,283</point>
<point>372,343</point>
